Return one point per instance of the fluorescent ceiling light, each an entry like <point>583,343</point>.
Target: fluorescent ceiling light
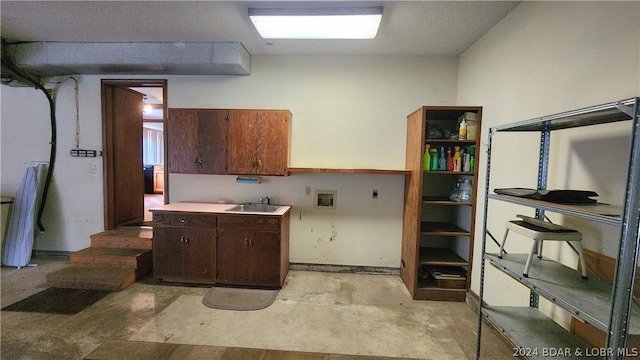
<point>325,23</point>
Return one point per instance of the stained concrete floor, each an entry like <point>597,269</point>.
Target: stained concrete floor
<point>315,316</point>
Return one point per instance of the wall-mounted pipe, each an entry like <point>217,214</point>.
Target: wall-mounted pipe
<point>9,63</point>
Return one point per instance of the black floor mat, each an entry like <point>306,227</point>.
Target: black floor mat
<point>58,301</point>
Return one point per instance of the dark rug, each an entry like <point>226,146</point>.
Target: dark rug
<point>241,299</point>
<point>58,301</point>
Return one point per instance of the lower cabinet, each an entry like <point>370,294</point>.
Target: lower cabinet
<point>251,248</point>
<point>248,257</point>
<point>229,249</point>
<point>184,254</point>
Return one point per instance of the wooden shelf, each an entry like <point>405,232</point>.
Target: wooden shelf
<point>437,200</point>
<point>442,228</point>
<point>451,141</point>
<point>430,216</point>
<point>349,171</point>
<point>428,289</point>
<point>444,172</point>
<point>440,257</point>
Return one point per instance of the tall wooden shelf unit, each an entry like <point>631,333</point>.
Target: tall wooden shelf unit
<point>609,307</point>
<point>437,232</point>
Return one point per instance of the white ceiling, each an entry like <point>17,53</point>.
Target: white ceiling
<point>407,28</point>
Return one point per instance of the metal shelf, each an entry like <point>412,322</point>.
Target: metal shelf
<point>603,213</point>
<point>589,300</point>
<point>533,334</point>
<point>608,307</point>
<point>601,114</point>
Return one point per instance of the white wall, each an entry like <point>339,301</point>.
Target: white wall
<point>347,112</point>
<point>74,205</point>
<point>545,58</point>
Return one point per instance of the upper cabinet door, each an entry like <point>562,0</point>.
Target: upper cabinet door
<point>259,142</point>
<point>197,141</point>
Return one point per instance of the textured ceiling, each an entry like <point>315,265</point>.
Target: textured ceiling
<point>407,28</point>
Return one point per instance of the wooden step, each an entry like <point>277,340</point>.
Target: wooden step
<point>124,237</point>
<point>140,260</point>
<point>95,278</point>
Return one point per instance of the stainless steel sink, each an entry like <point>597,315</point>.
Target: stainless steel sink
<point>254,208</point>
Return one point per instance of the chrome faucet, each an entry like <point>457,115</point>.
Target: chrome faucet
<point>265,200</point>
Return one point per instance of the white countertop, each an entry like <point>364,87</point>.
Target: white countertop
<point>215,208</point>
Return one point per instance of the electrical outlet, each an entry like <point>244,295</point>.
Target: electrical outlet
<point>374,194</point>
<point>307,191</point>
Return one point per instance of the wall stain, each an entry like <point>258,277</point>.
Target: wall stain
<point>334,232</point>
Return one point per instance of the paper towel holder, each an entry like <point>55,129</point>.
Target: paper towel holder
<point>248,180</point>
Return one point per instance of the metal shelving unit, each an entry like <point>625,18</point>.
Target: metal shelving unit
<point>609,307</point>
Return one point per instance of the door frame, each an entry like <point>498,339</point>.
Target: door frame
<point>107,143</point>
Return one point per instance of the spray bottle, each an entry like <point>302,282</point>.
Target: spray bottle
<point>426,161</point>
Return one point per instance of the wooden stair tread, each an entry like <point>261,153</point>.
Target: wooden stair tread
<point>97,278</point>
<point>127,232</point>
<point>109,252</point>
<point>124,237</point>
<point>141,260</point>
<point>115,260</point>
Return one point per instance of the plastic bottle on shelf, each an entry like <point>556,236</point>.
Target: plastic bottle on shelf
<point>466,162</point>
<point>455,193</point>
<point>433,153</point>
<point>457,160</point>
<point>465,190</point>
<point>442,163</point>
<point>462,132</point>
<point>472,161</point>
<point>449,160</point>
<point>426,161</point>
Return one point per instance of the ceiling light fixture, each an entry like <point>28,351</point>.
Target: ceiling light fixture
<point>323,23</point>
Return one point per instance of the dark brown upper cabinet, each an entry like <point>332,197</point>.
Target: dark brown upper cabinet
<point>234,142</point>
<point>259,142</point>
<point>197,141</point>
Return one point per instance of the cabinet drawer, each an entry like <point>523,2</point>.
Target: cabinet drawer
<point>268,223</point>
<point>184,219</point>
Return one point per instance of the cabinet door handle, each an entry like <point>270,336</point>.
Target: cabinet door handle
<point>198,160</point>
<point>183,220</point>
<point>186,240</point>
<point>182,239</point>
<point>250,242</point>
<point>256,163</point>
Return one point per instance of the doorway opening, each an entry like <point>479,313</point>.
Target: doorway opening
<point>152,147</point>
<point>133,122</point>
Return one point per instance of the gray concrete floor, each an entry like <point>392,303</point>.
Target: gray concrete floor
<point>315,316</point>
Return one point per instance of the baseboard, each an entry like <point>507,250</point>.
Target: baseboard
<point>473,300</point>
<point>375,270</point>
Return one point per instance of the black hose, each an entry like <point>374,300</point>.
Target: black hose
<point>8,61</point>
